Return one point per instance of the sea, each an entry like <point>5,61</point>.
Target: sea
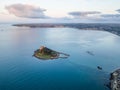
<point>88,49</point>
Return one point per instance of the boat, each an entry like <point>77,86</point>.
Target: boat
<point>100,68</point>
<point>90,53</point>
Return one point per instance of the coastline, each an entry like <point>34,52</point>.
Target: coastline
<point>112,28</point>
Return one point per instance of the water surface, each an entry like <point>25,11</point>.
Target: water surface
<point>20,71</point>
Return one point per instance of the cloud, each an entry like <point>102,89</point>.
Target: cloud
<point>118,10</point>
<point>83,14</point>
<point>26,11</point>
<point>110,18</point>
<point>111,15</point>
<point>95,16</point>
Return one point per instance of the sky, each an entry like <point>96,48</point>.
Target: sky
<point>60,11</point>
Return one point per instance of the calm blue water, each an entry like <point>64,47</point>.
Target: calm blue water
<point>20,71</point>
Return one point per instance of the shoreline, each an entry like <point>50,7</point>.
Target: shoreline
<point>112,28</point>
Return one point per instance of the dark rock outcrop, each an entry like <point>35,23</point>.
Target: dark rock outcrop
<point>115,80</point>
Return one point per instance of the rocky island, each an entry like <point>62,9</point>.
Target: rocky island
<point>45,53</point>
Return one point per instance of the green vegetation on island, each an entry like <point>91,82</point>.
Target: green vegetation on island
<point>45,53</point>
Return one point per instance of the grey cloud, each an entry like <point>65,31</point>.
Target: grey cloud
<point>110,15</point>
<point>26,11</point>
<point>110,18</point>
<point>118,10</point>
<point>83,14</point>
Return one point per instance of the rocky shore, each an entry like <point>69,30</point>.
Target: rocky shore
<point>115,80</point>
